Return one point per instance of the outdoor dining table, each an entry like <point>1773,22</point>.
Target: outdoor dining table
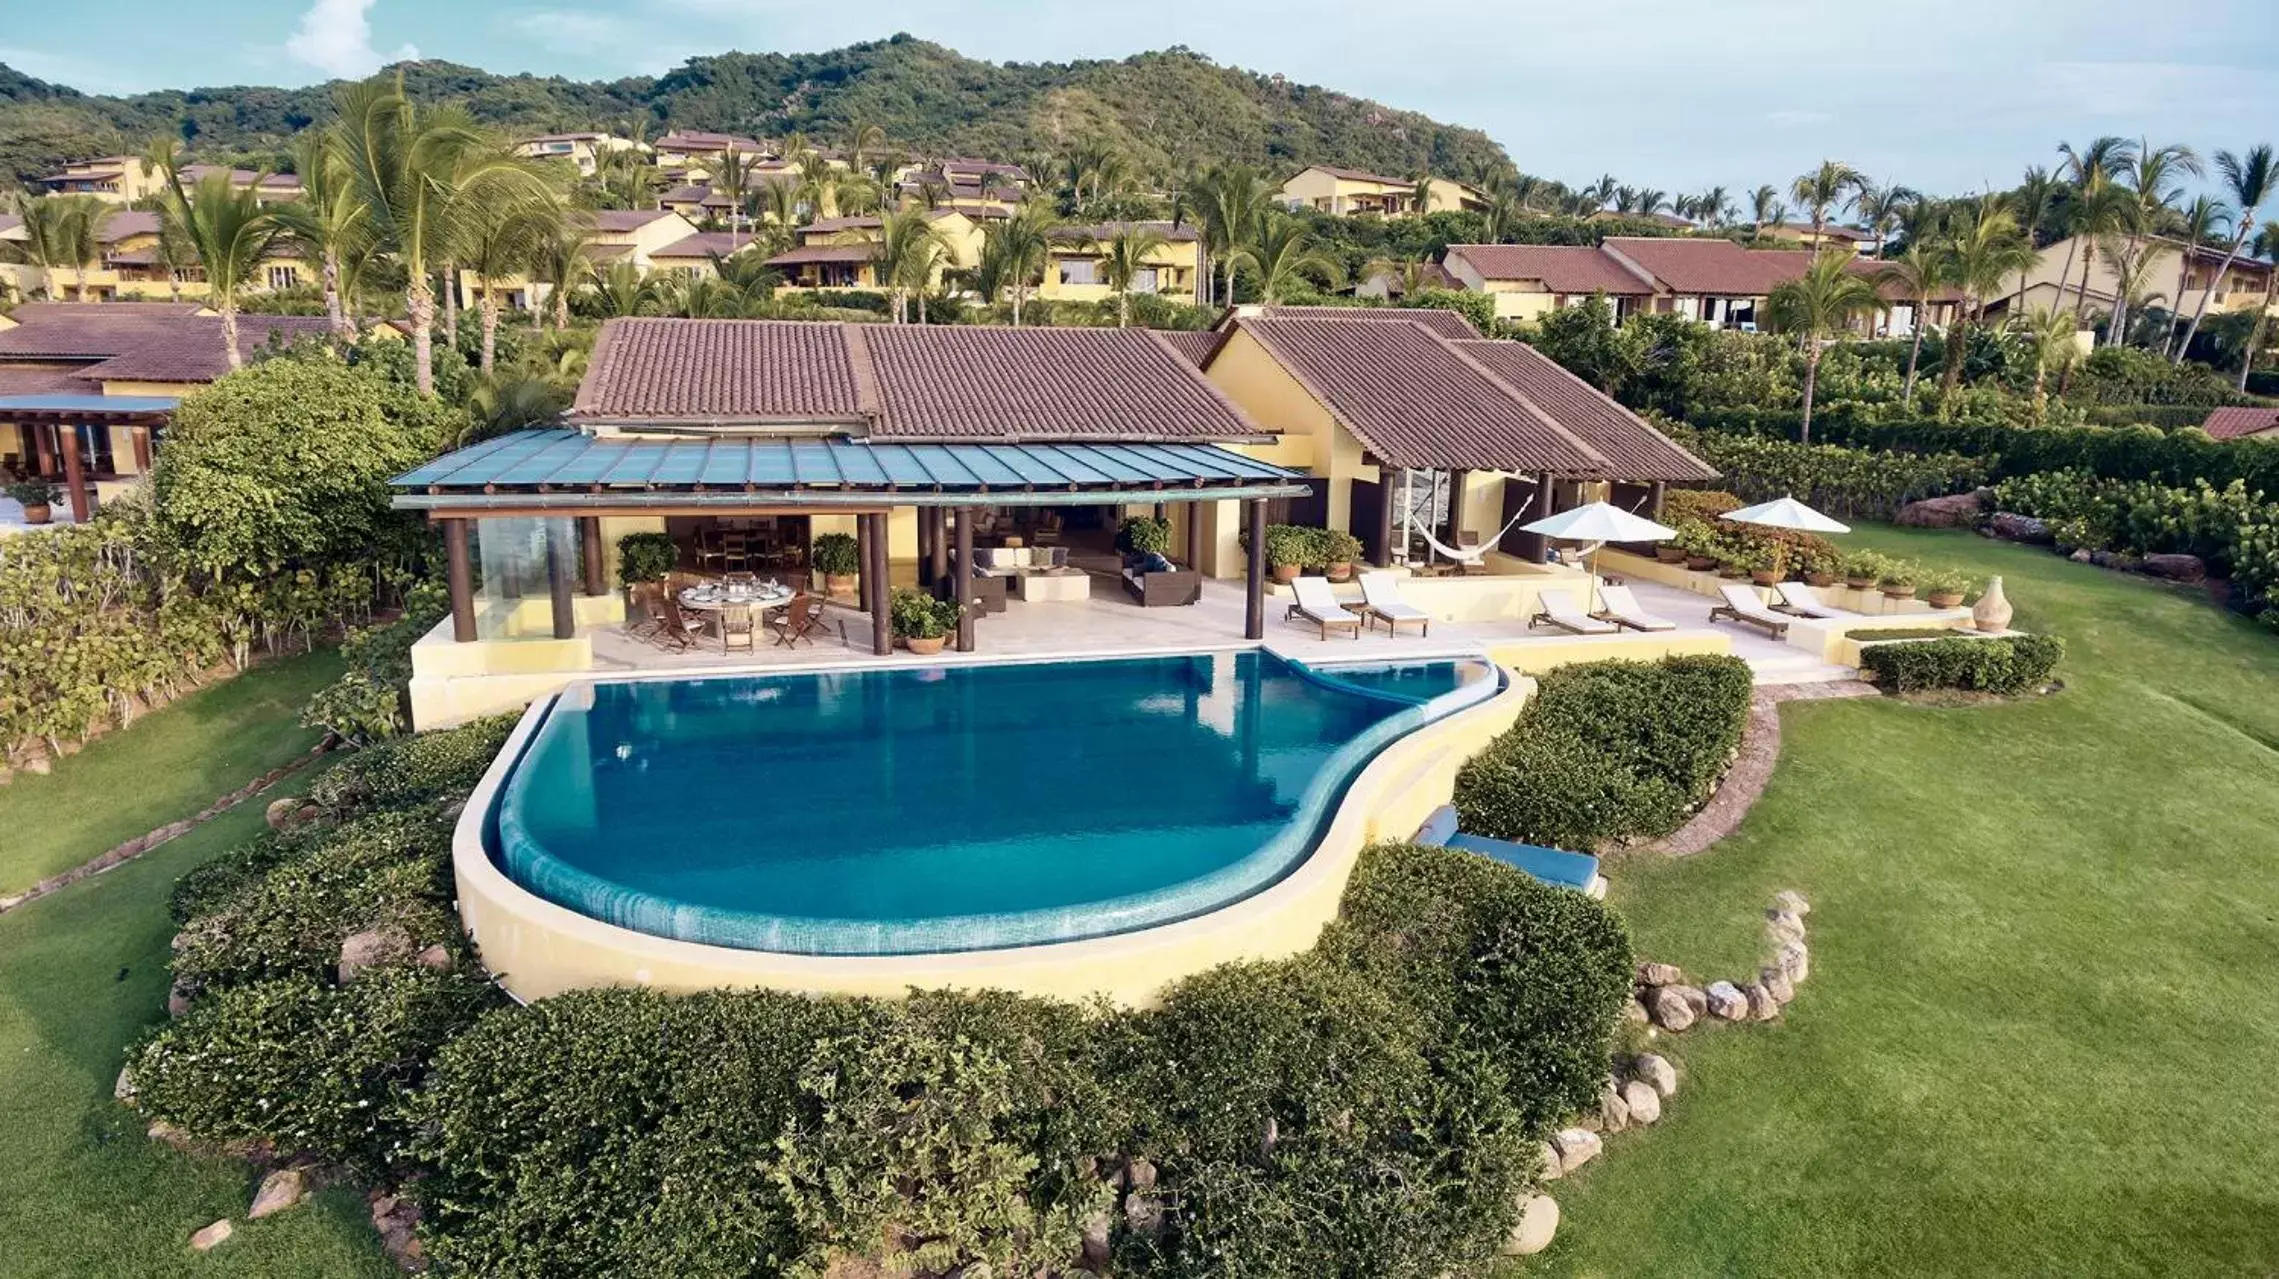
<point>717,601</point>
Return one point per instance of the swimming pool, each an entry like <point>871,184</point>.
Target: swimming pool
<point>922,810</point>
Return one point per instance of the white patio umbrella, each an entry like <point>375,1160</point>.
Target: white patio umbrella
<point>1786,512</point>
<point>1598,523</point>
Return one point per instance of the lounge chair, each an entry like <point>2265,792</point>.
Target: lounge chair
<point>1317,605</point>
<point>1802,600</point>
<point>1381,601</point>
<point>1558,608</point>
<point>1554,866</point>
<point>1743,605</point>
<point>1617,605</point>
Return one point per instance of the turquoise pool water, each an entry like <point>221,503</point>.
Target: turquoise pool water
<point>904,811</point>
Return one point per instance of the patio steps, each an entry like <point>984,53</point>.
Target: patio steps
<point>1799,669</point>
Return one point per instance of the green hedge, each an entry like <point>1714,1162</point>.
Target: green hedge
<point>414,769</point>
<point>1608,751</point>
<point>1848,481</point>
<point>2009,665</point>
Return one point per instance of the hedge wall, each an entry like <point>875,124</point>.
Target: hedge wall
<point>2009,665</point>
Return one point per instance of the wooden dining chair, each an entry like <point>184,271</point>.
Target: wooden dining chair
<point>678,632</point>
<point>802,617</point>
<point>737,628</point>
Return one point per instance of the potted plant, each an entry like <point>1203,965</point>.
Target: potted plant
<point>1673,551</point>
<point>1897,581</point>
<point>643,560</point>
<point>1700,548</point>
<point>1863,569</point>
<point>1820,565</point>
<point>1288,547</point>
<point>839,559</point>
<point>1339,551</point>
<point>922,622</point>
<point>1140,534</point>
<point>1944,588</point>
<point>38,499</point>
<point>1762,561</point>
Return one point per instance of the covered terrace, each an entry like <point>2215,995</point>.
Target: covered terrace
<point>75,439</point>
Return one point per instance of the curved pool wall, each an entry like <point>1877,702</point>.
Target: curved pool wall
<point>1271,901</point>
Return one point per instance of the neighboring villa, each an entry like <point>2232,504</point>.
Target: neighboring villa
<point>1849,239</point>
<point>835,253</point>
<point>1072,269</point>
<point>85,387</point>
<point>618,235</point>
<point>122,180</point>
<point>583,150</point>
<point>1328,189</point>
<point>2242,423</point>
<point>1705,278</point>
<point>2178,278</point>
<point>695,148</point>
<point>131,265</point>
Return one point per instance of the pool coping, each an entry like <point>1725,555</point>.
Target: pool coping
<point>535,948</point>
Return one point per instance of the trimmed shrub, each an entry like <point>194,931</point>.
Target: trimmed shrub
<point>646,557</point>
<point>418,768</point>
<point>1848,481</point>
<point>2008,665</point>
<point>366,704</point>
<point>306,1067</point>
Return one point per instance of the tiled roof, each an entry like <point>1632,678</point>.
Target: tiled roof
<point>42,380</point>
<point>627,219</point>
<point>27,312</point>
<point>906,382</point>
<point>191,350</point>
<point>694,193</point>
<point>1717,267</point>
<point>1197,345</point>
<point>1829,230</point>
<point>1634,450</point>
<point>823,253</point>
<point>705,244</point>
<point>91,331</point>
<point>2238,423</point>
<point>1102,232</point>
<point>828,226</point>
<point>1415,399</point>
<point>1363,175</point>
<point>720,370</point>
<point>699,140</point>
<point>1436,320</point>
<point>128,223</point>
<point>1562,268</point>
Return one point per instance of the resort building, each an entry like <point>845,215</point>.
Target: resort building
<point>1528,280</point>
<point>1801,234</point>
<point>114,179</point>
<point>618,235</point>
<point>836,253</point>
<point>695,148</point>
<point>2178,277</point>
<point>1073,264</point>
<point>133,265</point>
<point>694,256</point>
<point>583,150</point>
<point>85,388</point>
<point>1327,189</point>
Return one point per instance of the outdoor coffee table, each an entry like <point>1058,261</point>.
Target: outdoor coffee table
<point>1056,585</point>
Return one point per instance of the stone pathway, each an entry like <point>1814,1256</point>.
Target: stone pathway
<point>1752,767</point>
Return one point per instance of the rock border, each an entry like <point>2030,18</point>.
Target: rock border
<point>1738,791</point>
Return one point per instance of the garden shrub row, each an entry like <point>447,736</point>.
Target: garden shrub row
<point>1843,480</point>
<point>1609,752</point>
<point>1370,1107</point>
<point>2007,665</point>
<point>2234,528</point>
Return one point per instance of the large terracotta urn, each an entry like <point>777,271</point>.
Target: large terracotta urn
<point>1992,612</point>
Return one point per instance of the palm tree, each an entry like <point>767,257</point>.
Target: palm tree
<point>2151,198</point>
<point>779,198</point>
<point>233,236</point>
<point>2248,179</point>
<point>1125,255</point>
<point>1233,200</point>
<point>1714,207</point>
<point>421,177</point>
<point>2132,260</point>
<point>857,194</point>
<point>1920,271</point>
<point>2266,247</point>
<point>1405,275</point>
<point>1420,193</point>
<point>83,237</point>
<point>733,178</point>
<point>2201,221</point>
<point>2037,193</point>
<point>504,239</point>
<point>1824,189</point>
<point>1284,257</point>
<point>621,289</point>
<point>326,221</point>
<point>1014,251</point>
<point>1983,246</point>
<point>560,259</point>
<point>863,138</point>
<point>1821,305</point>
<point>2091,209</point>
<point>908,250</point>
<point>1879,208</point>
<point>2050,334</point>
<point>1602,190</point>
<point>1765,208</point>
<point>817,181</point>
<point>48,237</point>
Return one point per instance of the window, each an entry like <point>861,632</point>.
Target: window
<point>189,275</point>
<point>1143,280</point>
<point>1079,271</point>
<point>284,276</point>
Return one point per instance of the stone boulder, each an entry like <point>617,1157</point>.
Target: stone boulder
<point>1095,1253</point>
<point>1653,974</point>
<point>1959,510</point>
<point>1671,1009</point>
<point>1795,961</point>
<point>2188,569</point>
<point>124,1091</point>
<point>1635,1013</point>
<point>372,948</point>
<point>1551,1169</point>
<point>1792,901</point>
<point>2080,555</point>
<point>177,1000</point>
<point>172,1135</point>
<point>1645,1104</point>
<point>1139,1174</point>
<point>396,1218</point>
<point>1576,1147</point>
<point>1143,1215</point>
<point>279,1190</point>
<point>1656,1072</point>
<point>283,814</point>
<point>1776,981</point>
<point>1538,1222</point>
<point>1726,1002</point>
<point>435,957</point>
<point>1613,1110</point>
<point>212,1237</point>
<point>1784,926</point>
<point>1762,1005</point>
<point>2013,527</point>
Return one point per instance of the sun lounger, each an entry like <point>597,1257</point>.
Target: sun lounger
<point>1554,866</point>
<point>1317,605</point>
<point>1381,600</point>
<point>1558,608</point>
<point>1619,606</point>
<point>1743,605</point>
<point>1800,599</point>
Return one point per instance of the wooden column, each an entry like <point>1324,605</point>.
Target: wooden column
<point>1456,507</point>
<point>939,564</point>
<point>1654,503</point>
<point>142,449</point>
<point>1195,536</point>
<point>928,532</point>
<point>882,595</point>
<point>559,576</point>
<point>1254,615</point>
<point>461,578</point>
<point>1385,513</point>
<point>74,475</point>
<point>589,548</point>
<point>964,579</point>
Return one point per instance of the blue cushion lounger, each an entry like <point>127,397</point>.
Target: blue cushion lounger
<point>1554,866</point>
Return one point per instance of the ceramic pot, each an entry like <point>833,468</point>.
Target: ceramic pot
<point>926,647</point>
<point>1670,554</point>
<point>1817,580</point>
<point>1287,573</point>
<point>840,583</point>
<point>1992,612</point>
<point>37,513</point>
<point>1860,583</point>
<point>1899,592</point>
<point>1340,572</point>
<point>1764,576</point>
<point>1700,562</point>
<point>1944,599</point>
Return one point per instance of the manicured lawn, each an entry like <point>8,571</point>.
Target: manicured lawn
<point>83,1192</point>
<point>2041,1034</point>
<point>167,765</point>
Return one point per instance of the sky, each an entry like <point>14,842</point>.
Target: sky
<point>1941,95</point>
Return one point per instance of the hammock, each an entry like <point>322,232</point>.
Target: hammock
<point>1478,555</point>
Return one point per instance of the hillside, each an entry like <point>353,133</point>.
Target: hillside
<point>1163,109</point>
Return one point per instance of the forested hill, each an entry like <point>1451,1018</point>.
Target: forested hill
<point>1162,110</point>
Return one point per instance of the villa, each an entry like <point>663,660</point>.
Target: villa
<point>2177,277</point>
<point>1072,270</point>
<point>132,264</point>
<point>1801,234</point>
<point>583,150</point>
<point>1328,189</point>
<point>835,253</point>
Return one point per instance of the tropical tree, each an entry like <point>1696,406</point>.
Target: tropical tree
<point>1714,207</point>
<point>1983,245</point>
<point>909,248</point>
<point>1820,306</point>
<point>1420,193</point>
<point>2049,333</point>
<point>505,239</point>
<point>2037,193</point>
<point>1231,203</point>
<point>2132,260</point>
<point>2093,206</point>
<point>1880,208</point>
<point>1765,208</point>
<point>2205,218</point>
<point>560,260</point>
<point>735,178</point>
<point>47,238</point>
<point>2266,247</point>
<point>2248,179</point>
<point>1285,258</point>
<point>233,235</point>
<point>327,222</point>
<point>1825,189</point>
<point>620,289</point>
<point>1920,271</point>
<point>1014,251</point>
<point>818,181</point>
<point>1125,255</point>
<point>78,227</point>
<point>422,177</point>
<point>864,138</point>
<point>2153,194</point>
<point>779,200</point>
<point>1403,275</point>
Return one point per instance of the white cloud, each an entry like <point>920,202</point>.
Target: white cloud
<point>336,38</point>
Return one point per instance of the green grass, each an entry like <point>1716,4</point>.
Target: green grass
<point>2040,1036</point>
<point>83,1192</point>
<point>167,765</point>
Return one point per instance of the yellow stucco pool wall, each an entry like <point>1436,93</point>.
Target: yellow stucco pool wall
<point>536,948</point>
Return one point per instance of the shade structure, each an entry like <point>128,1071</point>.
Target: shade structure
<point>1786,512</point>
<point>1599,522</point>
